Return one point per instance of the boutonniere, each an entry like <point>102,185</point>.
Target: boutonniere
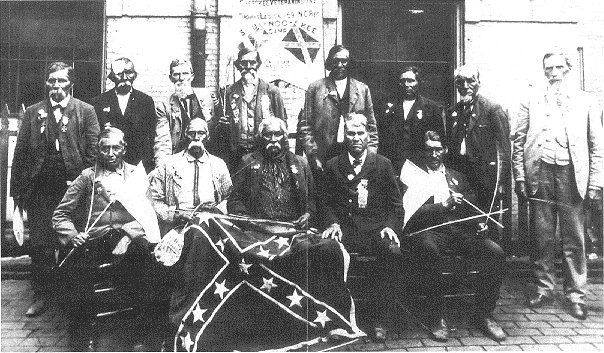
<point>473,115</point>
<point>350,176</point>
<point>389,105</point>
<point>454,181</point>
<point>42,115</point>
<point>294,169</point>
<point>420,114</point>
<point>64,121</point>
<point>454,114</point>
<point>255,166</point>
<point>107,109</point>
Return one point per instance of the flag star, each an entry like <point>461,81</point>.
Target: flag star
<point>322,318</point>
<point>198,314</point>
<point>187,342</point>
<point>220,244</point>
<point>264,252</point>
<point>244,267</point>
<point>221,289</point>
<point>282,242</point>
<point>295,299</point>
<point>268,284</point>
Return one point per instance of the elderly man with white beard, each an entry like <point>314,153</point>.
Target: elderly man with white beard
<point>247,102</point>
<point>184,105</point>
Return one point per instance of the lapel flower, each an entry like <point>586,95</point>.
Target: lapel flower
<point>350,176</point>
<point>389,105</point>
<point>42,115</point>
<point>454,181</point>
<point>294,169</point>
<point>107,109</point>
<point>255,166</point>
<point>420,114</point>
<point>454,114</point>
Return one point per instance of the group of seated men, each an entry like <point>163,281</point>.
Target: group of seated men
<point>362,207</point>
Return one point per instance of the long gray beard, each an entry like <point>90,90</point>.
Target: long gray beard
<point>182,90</point>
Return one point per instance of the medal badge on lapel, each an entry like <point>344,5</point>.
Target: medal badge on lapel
<point>64,121</point>
<point>234,107</point>
<point>363,193</point>
<point>420,114</point>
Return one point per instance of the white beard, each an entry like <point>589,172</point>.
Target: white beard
<point>182,89</point>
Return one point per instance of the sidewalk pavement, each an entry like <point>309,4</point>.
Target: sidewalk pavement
<point>549,328</point>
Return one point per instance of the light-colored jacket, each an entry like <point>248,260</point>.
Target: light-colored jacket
<point>169,121</point>
<point>583,124</point>
<point>165,185</point>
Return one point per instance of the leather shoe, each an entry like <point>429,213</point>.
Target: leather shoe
<point>379,334</point>
<point>491,328</point>
<point>578,310</point>
<point>539,300</point>
<point>36,308</point>
<point>440,332</point>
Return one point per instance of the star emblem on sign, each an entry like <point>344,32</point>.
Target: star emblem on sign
<point>245,263</point>
<point>304,47</point>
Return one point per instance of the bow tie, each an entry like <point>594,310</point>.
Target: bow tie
<point>357,162</point>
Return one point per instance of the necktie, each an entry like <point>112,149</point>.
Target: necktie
<point>356,162</point>
<point>185,104</point>
<point>196,200</point>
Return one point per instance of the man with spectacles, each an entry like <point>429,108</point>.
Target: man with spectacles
<point>247,102</point>
<point>129,110</point>
<point>184,105</point>
<point>406,118</point>
<point>478,137</point>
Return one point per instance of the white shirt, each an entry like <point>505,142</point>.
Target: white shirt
<point>122,100</point>
<point>438,181</point>
<point>407,107</point>
<point>357,169</point>
<point>57,112</point>
<point>341,86</point>
<point>205,183</point>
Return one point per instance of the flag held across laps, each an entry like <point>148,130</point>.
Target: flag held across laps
<point>240,292</point>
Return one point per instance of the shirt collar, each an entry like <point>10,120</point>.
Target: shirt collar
<point>362,158</point>
<point>204,158</point>
<point>62,103</point>
<point>120,171</point>
<point>440,169</point>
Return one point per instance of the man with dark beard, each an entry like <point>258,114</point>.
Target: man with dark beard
<point>406,118</point>
<point>247,102</point>
<point>56,141</point>
<point>184,105</point>
<point>129,110</point>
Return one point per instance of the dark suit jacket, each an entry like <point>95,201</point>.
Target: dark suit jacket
<point>430,213</point>
<point>384,203</point>
<point>228,136</point>
<point>318,128</point>
<point>488,133</point>
<point>77,144</point>
<point>137,123</point>
<point>401,140</point>
<point>247,182</point>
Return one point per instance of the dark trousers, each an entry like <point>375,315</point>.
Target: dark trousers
<point>43,238</point>
<point>484,253</point>
<point>82,273</point>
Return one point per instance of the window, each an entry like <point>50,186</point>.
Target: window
<point>36,33</point>
<point>385,36</point>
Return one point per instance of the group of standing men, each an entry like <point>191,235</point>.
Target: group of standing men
<point>351,183</point>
